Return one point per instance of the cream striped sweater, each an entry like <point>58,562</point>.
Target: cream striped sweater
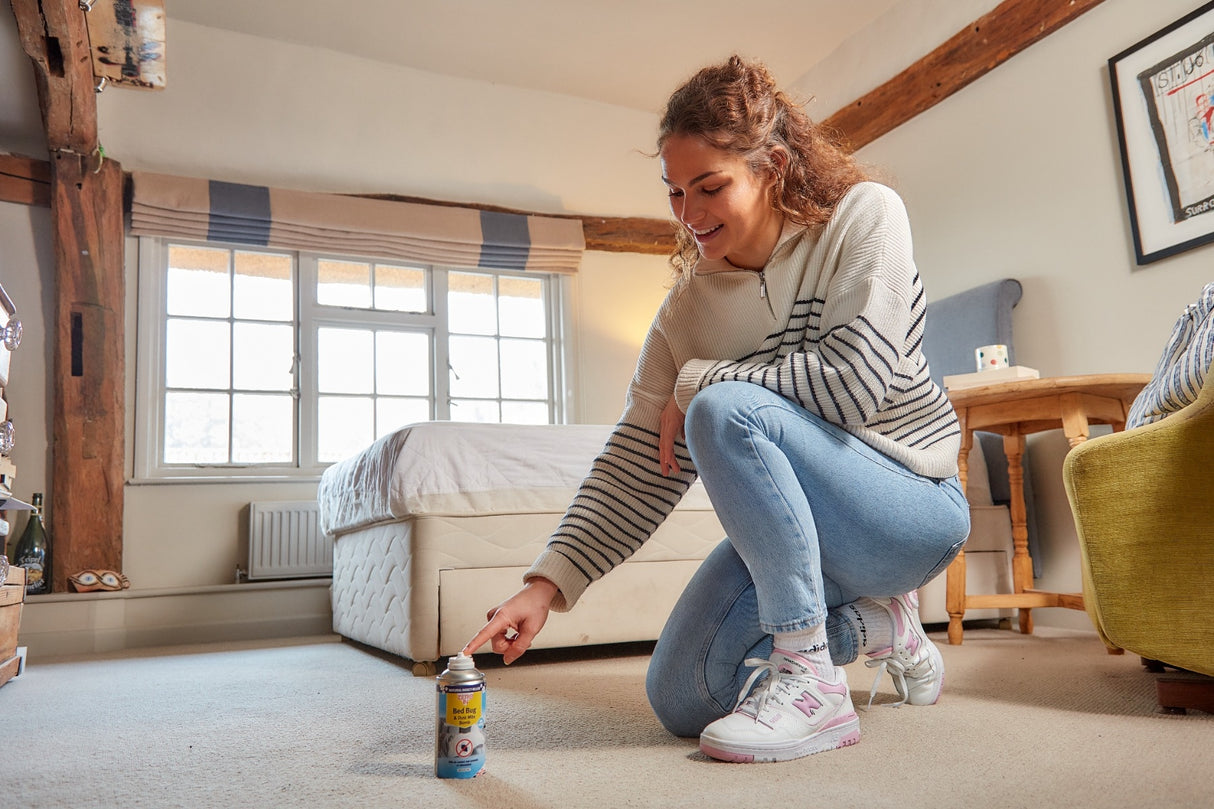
<point>833,322</point>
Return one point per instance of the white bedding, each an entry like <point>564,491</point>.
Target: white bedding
<point>449,468</point>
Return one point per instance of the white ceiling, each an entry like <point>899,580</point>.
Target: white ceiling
<point>630,53</point>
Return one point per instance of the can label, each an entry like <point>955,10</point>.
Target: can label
<point>460,733</point>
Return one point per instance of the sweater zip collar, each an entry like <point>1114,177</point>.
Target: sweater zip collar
<point>763,292</point>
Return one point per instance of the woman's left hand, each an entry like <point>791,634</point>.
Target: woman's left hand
<point>671,429</point>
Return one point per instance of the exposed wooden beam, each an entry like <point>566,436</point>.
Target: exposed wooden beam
<point>54,35</point>
<point>25,180</point>
<point>604,233</point>
<point>88,413</point>
<point>980,47</point>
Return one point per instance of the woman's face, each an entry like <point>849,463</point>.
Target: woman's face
<point>724,205</point>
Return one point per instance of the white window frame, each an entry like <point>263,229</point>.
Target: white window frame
<point>309,317</point>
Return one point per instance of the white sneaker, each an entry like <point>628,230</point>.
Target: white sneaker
<point>913,660</point>
<point>791,713</point>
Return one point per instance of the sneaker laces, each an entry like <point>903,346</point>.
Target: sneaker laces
<point>897,672</point>
<point>762,667</point>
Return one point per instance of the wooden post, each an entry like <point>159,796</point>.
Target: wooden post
<point>88,413</point>
<point>86,502</point>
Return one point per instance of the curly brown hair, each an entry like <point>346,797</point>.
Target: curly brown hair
<point>736,107</point>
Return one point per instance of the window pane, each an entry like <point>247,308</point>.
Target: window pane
<point>262,287</point>
<point>473,410</point>
<point>525,413</point>
<point>263,428</point>
<point>470,305</point>
<point>343,283</point>
<point>392,414</point>
<point>345,361</point>
<point>263,356</point>
<point>402,363</point>
<point>195,427</point>
<point>400,289</point>
<point>473,366</point>
<point>197,354</point>
<point>197,282</point>
<point>345,426</point>
<point>521,307</point>
<point>524,369</point>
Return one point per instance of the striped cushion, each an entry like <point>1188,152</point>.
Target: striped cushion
<point>1183,367</point>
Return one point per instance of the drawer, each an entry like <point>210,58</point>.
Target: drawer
<point>10,623</point>
<point>12,594</point>
<point>13,589</point>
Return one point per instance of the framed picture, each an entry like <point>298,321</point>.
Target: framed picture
<point>1163,100</point>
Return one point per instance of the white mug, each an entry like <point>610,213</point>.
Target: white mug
<point>989,358</point>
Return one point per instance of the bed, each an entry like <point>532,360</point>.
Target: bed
<point>436,523</point>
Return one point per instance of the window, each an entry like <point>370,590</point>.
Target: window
<point>264,362</point>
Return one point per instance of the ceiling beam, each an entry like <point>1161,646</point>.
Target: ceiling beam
<point>610,234</point>
<point>25,180</point>
<point>969,54</point>
<point>54,35</point>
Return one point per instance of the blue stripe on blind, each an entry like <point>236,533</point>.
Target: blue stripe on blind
<point>506,240</point>
<point>239,213</point>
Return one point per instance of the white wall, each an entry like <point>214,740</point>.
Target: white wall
<point>1019,175</point>
<point>293,117</point>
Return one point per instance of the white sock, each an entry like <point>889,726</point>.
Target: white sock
<point>872,624</point>
<point>808,643</point>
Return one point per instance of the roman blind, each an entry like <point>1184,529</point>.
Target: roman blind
<point>212,210</point>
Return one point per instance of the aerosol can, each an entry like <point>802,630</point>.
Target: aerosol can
<point>459,737</point>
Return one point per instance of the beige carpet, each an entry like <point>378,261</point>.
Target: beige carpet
<point>1048,720</point>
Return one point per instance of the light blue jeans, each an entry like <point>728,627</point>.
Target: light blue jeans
<point>815,519</point>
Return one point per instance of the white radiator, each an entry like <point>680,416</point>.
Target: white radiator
<point>285,541</point>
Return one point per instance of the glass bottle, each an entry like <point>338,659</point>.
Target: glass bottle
<point>33,551</point>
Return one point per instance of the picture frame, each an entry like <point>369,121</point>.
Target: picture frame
<point>1163,103</point>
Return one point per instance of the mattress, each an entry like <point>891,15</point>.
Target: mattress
<point>445,468</point>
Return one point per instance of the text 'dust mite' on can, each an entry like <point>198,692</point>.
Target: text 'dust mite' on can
<point>459,737</point>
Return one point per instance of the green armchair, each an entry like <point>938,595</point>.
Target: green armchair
<point>1143,502</point>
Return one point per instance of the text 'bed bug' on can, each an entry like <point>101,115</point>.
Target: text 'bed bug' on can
<point>459,736</point>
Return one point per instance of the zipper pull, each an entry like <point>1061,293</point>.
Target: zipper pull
<point>763,292</point>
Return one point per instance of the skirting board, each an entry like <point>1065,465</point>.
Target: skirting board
<point>87,623</point>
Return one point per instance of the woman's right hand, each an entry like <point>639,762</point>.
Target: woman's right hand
<point>515,622</point>
<point>670,430</point>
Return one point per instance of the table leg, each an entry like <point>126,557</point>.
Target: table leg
<point>1022,562</point>
<point>954,581</point>
<point>1075,420</point>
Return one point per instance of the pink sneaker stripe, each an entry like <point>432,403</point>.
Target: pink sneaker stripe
<point>840,720</point>
<point>835,688</point>
<point>725,755</point>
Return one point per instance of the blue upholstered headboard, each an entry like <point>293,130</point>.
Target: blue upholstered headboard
<point>958,324</point>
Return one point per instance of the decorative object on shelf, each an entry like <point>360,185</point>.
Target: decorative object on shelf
<point>86,581</point>
<point>1162,100</point>
<point>34,551</point>
<point>3,569</point>
<point>10,334</point>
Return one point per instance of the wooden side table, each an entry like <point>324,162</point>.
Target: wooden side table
<point>1016,409</point>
